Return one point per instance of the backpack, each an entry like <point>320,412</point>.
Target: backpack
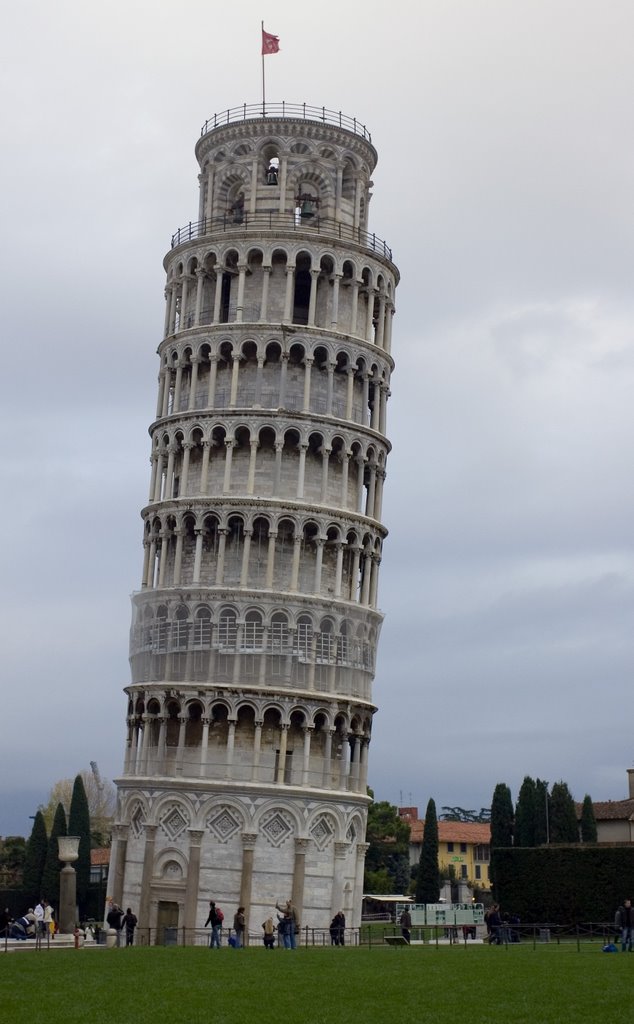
<point>219,915</point>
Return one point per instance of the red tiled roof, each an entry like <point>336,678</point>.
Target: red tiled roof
<point>613,810</point>
<point>478,833</point>
<point>100,856</point>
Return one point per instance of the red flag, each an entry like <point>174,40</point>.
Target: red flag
<point>270,43</point>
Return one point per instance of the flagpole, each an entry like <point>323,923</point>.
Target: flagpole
<point>263,86</point>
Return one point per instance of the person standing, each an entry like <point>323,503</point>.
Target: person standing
<point>494,925</point>
<point>39,919</point>
<point>129,922</point>
<point>405,921</point>
<point>269,933</point>
<point>114,919</point>
<point>215,922</point>
<point>624,921</point>
<point>291,927</point>
<point>239,923</point>
<point>49,923</point>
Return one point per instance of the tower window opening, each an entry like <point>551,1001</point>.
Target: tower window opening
<point>302,296</point>
<point>288,766</point>
<point>225,298</point>
<point>236,209</point>
<point>273,171</point>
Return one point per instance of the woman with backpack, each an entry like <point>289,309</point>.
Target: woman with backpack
<point>215,919</point>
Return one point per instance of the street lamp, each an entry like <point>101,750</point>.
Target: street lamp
<point>68,853</point>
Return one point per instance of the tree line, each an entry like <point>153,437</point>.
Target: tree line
<point>540,816</point>
<point>30,869</point>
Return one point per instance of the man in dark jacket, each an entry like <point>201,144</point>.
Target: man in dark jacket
<point>114,919</point>
<point>215,922</point>
<point>129,922</point>
<point>624,921</point>
<point>405,921</point>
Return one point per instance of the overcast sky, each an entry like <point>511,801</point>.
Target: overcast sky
<point>504,185</point>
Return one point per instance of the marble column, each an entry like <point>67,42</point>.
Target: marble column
<point>338,879</point>
<point>249,840</point>
<point>299,876</point>
<point>146,882</point>
<point>118,849</point>
<point>191,889</point>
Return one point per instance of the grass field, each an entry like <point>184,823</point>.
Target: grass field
<point>447,985</point>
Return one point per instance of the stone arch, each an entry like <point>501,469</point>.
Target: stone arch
<point>302,287</point>
<point>224,817</point>
<point>170,865</point>
<point>269,151</point>
<point>325,826</point>
<point>227,627</point>
<point>285,807</point>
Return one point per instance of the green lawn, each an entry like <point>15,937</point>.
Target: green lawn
<point>447,985</point>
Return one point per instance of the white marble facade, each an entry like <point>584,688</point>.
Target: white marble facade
<point>254,632</point>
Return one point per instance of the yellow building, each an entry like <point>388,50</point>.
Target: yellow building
<point>465,846</point>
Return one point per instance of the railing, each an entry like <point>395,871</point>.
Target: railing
<point>179,936</point>
<point>301,111</point>
<point>566,935</point>
<point>508,934</point>
<point>273,220</point>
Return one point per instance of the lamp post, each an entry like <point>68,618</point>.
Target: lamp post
<point>68,853</point>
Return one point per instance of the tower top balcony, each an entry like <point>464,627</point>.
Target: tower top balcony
<point>286,111</point>
<point>281,165</point>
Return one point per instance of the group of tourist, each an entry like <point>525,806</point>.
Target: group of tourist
<point>122,923</point>
<point>285,930</point>
<point>38,923</point>
<point>501,928</point>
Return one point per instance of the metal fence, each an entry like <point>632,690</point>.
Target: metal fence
<point>568,936</point>
<point>293,111</point>
<point>274,220</point>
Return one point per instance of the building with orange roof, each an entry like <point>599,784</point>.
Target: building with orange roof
<point>614,818</point>
<point>463,845</point>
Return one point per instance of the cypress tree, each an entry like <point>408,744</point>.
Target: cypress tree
<point>53,865</point>
<point>542,812</point>
<point>588,821</point>
<point>35,859</point>
<point>79,825</point>
<point>501,816</point>
<point>563,817</point>
<point>525,809</point>
<point>428,877</point>
<point>501,827</point>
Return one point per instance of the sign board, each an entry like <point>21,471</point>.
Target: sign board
<point>447,914</point>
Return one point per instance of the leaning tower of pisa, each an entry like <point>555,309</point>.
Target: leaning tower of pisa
<point>255,628</point>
